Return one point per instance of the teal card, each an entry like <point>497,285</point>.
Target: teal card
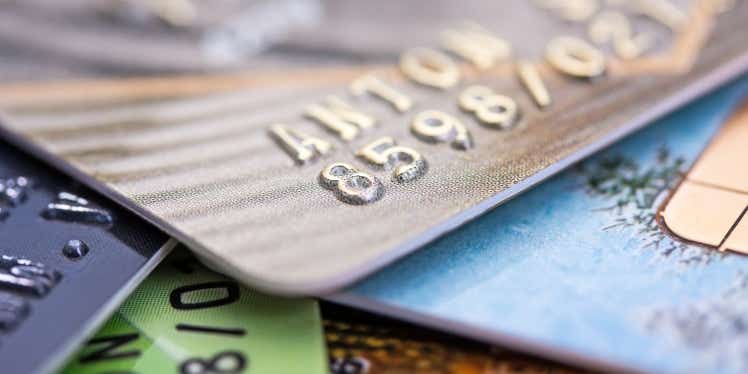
<point>580,269</point>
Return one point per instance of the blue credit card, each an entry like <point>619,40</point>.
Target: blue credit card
<point>67,258</point>
<point>581,270</point>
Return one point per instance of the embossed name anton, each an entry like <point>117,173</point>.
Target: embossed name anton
<point>568,55</point>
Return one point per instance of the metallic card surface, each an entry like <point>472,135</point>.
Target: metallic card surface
<point>581,269</point>
<point>316,203</point>
<point>67,258</point>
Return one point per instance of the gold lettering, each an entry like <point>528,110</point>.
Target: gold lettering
<point>430,68</point>
<point>477,45</point>
<point>533,83</point>
<point>575,57</point>
<point>407,163</point>
<point>301,147</point>
<point>662,11</point>
<point>615,26</point>
<point>571,10</point>
<point>338,116</point>
<point>490,108</point>
<point>436,127</point>
<point>373,85</point>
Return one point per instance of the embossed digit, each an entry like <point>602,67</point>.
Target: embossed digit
<point>476,44</point>
<point>14,191</point>
<point>615,26</point>
<point>350,185</point>
<point>531,80</point>
<point>436,127</point>
<point>662,11</point>
<point>571,10</point>
<point>575,57</point>
<point>27,276</point>
<point>490,108</point>
<point>430,68</point>
<point>407,163</point>
<point>14,310</point>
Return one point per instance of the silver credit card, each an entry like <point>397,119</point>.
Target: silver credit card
<point>354,142</point>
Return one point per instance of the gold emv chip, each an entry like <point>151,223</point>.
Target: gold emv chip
<point>710,206</point>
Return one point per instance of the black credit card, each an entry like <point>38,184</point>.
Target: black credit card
<point>68,257</point>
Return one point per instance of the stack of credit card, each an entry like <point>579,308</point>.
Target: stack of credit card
<point>338,186</point>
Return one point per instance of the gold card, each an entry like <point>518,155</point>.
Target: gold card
<point>354,142</point>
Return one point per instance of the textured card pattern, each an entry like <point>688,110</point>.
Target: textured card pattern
<point>582,269</point>
<point>291,190</point>
<point>186,319</point>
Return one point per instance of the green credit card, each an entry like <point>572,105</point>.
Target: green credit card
<point>187,319</point>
